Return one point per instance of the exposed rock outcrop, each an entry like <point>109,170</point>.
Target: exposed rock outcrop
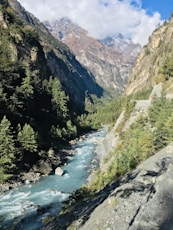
<point>142,201</point>
<point>146,71</point>
<point>2,21</point>
<point>43,166</point>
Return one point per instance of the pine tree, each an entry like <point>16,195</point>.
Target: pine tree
<point>167,68</point>
<point>59,99</point>
<point>169,128</point>
<point>27,138</point>
<point>7,149</point>
<point>71,129</point>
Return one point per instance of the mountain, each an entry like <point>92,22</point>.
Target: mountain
<point>43,91</point>
<point>75,79</point>
<point>109,60</point>
<point>155,61</point>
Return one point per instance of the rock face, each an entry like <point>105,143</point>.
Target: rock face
<point>109,60</point>
<point>142,201</point>
<point>146,71</point>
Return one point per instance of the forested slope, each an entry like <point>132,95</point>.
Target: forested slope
<point>43,89</point>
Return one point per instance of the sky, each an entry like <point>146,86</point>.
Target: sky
<point>135,19</point>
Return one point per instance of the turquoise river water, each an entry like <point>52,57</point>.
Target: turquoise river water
<point>20,206</point>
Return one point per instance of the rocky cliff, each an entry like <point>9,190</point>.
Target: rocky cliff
<point>148,69</point>
<point>109,60</point>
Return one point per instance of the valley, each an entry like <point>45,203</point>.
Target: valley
<point>98,110</point>
<point>110,60</point>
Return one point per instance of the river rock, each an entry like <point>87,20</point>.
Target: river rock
<point>43,166</point>
<point>27,181</point>
<point>29,177</point>
<point>59,171</point>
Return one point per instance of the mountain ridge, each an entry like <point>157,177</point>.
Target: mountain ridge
<point>110,63</point>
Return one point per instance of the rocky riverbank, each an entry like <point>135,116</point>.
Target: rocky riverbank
<point>45,164</point>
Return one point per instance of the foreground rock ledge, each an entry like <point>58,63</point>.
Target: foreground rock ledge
<point>143,201</point>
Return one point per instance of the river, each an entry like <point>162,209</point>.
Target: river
<point>28,206</point>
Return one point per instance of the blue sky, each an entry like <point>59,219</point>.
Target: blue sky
<point>135,19</point>
<point>164,7</point>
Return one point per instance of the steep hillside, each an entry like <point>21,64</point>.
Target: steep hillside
<point>43,89</point>
<point>154,64</point>
<point>76,80</point>
<point>109,60</point>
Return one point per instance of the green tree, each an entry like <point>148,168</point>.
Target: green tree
<point>59,99</point>
<point>71,129</point>
<point>159,111</point>
<point>7,149</point>
<point>167,68</point>
<point>138,144</point>
<point>26,86</point>
<point>27,138</point>
<point>159,116</point>
<point>56,132</point>
<point>169,128</point>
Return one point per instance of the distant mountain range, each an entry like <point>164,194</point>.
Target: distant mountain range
<point>109,60</point>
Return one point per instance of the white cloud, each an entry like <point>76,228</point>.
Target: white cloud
<point>99,17</point>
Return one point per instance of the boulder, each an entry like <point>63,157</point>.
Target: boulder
<point>43,167</point>
<point>59,171</point>
<point>27,181</point>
